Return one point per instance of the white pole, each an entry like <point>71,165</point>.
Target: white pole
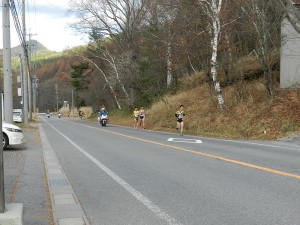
<point>25,69</point>
<point>7,90</point>
<point>8,96</point>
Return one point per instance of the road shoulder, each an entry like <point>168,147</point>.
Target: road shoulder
<point>67,209</point>
<point>25,178</point>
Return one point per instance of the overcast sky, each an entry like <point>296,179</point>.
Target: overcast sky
<point>48,21</point>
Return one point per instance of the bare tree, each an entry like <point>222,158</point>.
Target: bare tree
<point>119,19</point>
<point>80,53</point>
<point>266,21</point>
<point>165,14</point>
<point>116,21</point>
<point>291,11</point>
<point>104,54</point>
<point>212,9</point>
<point>112,91</point>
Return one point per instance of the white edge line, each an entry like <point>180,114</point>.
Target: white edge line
<point>139,196</point>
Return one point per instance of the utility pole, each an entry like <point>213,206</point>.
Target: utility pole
<point>7,75</point>
<point>56,92</point>
<point>22,85</point>
<point>72,101</point>
<point>25,68</point>
<point>8,96</point>
<point>35,85</point>
<point>29,95</point>
<point>30,86</point>
<point>2,197</point>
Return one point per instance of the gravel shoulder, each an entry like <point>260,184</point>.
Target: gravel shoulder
<point>25,178</point>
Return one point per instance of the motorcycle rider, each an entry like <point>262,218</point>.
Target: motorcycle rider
<point>102,113</point>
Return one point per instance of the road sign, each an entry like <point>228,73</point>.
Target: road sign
<point>19,92</point>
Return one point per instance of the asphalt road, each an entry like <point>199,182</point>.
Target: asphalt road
<point>125,176</point>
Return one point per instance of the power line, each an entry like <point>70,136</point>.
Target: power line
<point>19,29</point>
<point>17,23</point>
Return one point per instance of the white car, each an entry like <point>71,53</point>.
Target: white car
<point>12,134</point>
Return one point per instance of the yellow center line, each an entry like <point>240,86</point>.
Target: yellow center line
<point>278,172</point>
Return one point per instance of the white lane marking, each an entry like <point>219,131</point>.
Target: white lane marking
<point>139,196</point>
<point>193,141</point>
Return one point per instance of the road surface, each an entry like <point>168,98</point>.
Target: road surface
<point>126,176</point>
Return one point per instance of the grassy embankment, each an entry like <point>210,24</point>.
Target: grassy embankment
<point>251,113</point>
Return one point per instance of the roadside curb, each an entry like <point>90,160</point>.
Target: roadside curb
<point>13,214</point>
<point>66,207</point>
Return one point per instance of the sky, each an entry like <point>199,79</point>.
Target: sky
<point>47,21</point>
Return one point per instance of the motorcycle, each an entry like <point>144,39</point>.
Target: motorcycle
<point>48,115</point>
<point>103,120</point>
<point>59,115</point>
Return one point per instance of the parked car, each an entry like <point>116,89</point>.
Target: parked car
<point>12,135</point>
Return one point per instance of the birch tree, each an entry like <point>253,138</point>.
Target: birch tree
<point>104,54</point>
<point>112,91</point>
<point>165,12</point>
<point>80,53</point>
<point>212,9</point>
<point>171,13</point>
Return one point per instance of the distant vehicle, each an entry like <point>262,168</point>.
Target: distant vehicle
<point>17,115</point>
<point>12,135</point>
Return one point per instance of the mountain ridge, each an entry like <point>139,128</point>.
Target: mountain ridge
<point>36,46</point>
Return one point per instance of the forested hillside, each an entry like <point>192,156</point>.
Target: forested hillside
<point>146,47</point>
<point>221,58</point>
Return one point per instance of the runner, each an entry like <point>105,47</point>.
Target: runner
<point>180,114</point>
<point>136,114</point>
<point>80,114</point>
<point>142,115</point>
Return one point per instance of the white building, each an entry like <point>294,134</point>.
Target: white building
<point>290,51</point>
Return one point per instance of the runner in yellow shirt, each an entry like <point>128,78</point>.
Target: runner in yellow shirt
<point>136,114</point>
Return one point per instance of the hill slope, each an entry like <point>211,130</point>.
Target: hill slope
<point>251,112</point>
<point>35,46</point>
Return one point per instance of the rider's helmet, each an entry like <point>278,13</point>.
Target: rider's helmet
<point>102,109</point>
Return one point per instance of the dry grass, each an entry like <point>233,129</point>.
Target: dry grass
<point>251,113</point>
<point>65,111</point>
<point>87,111</point>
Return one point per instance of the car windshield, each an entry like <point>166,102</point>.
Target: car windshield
<point>16,114</point>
